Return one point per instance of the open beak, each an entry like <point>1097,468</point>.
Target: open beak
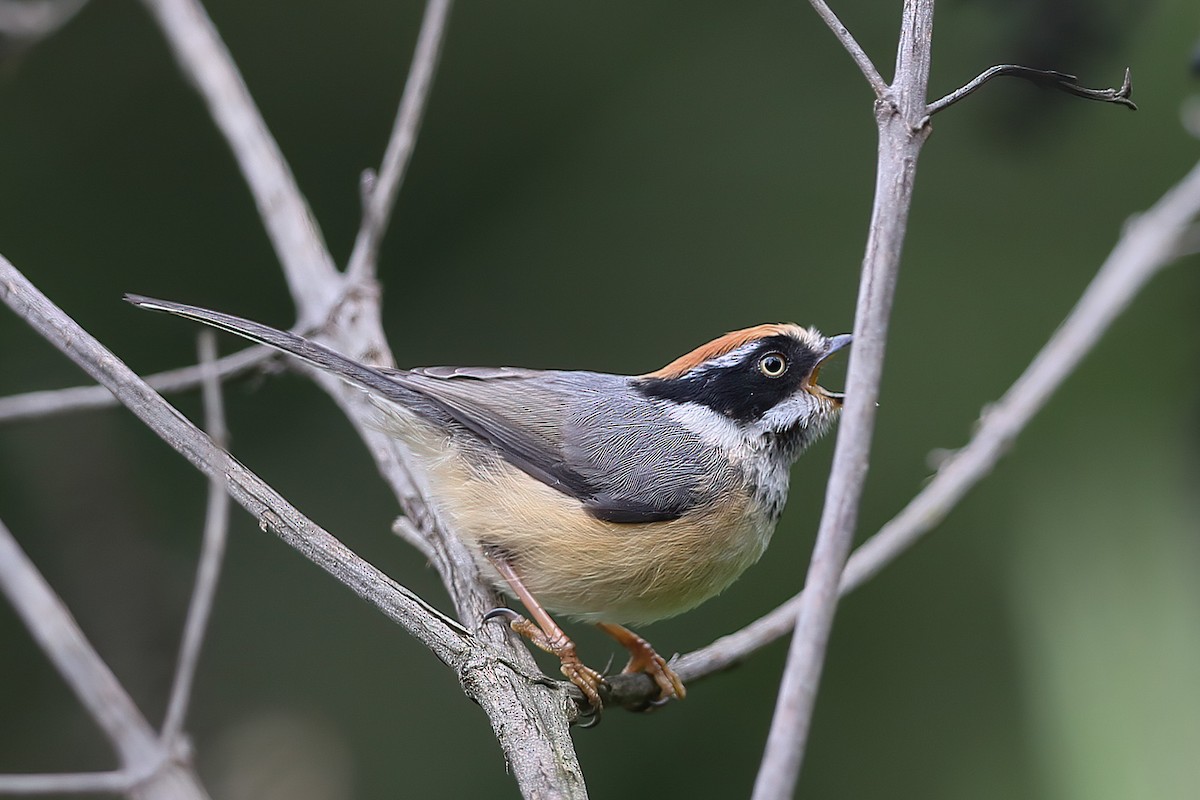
<point>835,343</point>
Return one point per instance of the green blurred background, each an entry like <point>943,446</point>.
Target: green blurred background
<point>605,186</point>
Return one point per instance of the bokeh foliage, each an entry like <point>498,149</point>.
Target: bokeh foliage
<point>604,186</point>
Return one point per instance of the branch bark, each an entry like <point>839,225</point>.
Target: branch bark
<point>899,115</point>
<point>1148,244</point>
<point>448,640</point>
<point>212,551</point>
<point>380,192</point>
<point>36,405</point>
<point>294,233</point>
<point>878,84</point>
<point>530,718</point>
<point>149,770</point>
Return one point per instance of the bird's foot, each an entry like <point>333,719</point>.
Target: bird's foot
<point>643,658</point>
<point>560,645</point>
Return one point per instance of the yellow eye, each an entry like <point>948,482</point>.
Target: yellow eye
<point>772,365</point>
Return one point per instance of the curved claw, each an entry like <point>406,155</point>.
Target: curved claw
<point>592,715</point>
<point>649,706</point>
<point>496,613</point>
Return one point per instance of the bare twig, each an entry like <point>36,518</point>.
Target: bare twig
<point>117,782</point>
<point>901,138</point>
<point>529,720</point>
<point>448,640</point>
<point>34,405</point>
<point>406,530</point>
<point>1042,77</point>
<point>293,231</point>
<point>1147,245</point>
<point>379,193</point>
<point>60,638</point>
<point>878,84</point>
<point>25,22</point>
<point>212,551</point>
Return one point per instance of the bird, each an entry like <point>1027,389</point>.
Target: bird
<point>611,499</point>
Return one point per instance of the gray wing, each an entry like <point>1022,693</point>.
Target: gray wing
<point>582,433</point>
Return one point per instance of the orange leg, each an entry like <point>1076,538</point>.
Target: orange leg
<point>642,658</point>
<point>547,636</point>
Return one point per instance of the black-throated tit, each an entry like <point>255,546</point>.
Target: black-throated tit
<point>608,498</point>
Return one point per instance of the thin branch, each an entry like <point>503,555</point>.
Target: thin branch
<point>1042,77</point>
<point>34,405</point>
<point>58,635</point>
<point>448,640</point>
<point>66,783</point>
<point>294,233</point>
<point>529,720</point>
<point>406,530</point>
<point>878,84</point>
<point>379,195</point>
<point>1146,246</point>
<point>901,138</point>
<point>212,552</point>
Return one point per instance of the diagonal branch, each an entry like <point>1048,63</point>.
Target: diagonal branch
<point>294,233</point>
<point>529,720</point>
<point>56,632</point>
<point>448,640</point>
<point>1042,77</point>
<point>212,552</point>
<point>878,84</point>
<point>1147,246</point>
<point>380,190</point>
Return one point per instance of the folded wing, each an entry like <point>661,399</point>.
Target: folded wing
<point>582,433</point>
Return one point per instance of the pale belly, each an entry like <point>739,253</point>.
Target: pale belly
<point>587,568</point>
<point>571,562</point>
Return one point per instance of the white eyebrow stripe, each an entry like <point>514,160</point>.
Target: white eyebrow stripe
<point>730,359</point>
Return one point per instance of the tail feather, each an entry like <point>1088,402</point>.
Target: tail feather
<point>347,369</point>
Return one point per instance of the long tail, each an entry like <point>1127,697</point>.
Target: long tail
<point>351,371</point>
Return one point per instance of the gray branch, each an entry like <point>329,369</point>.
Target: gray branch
<point>212,551</point>
<point>530,719</point>
<point>117,782</point>
<point>35,405</point>
<point>380,191</point>
<point>898,115</point>
<point>294,233</point>
<point>448,640</point>
<point>851,45</point>
<point>59,637</point>
<point>1150,243</point>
